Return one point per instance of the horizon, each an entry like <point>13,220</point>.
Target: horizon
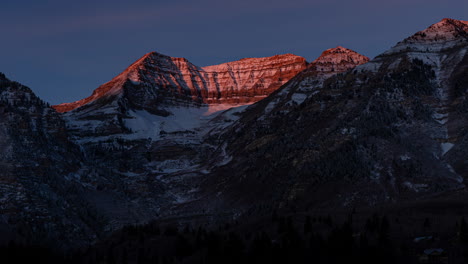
<point>63,52</point>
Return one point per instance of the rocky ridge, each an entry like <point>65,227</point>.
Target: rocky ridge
<point>337,60</point>
<point>156,77</point>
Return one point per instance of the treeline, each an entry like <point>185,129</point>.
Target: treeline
<point>19,253</point>
<point>282,240</point>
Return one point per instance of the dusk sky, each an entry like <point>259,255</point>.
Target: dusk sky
<point>63,50</point>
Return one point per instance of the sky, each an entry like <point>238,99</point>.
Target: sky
<point>63,49</point>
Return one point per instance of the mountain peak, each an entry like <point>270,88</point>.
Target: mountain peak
<point>156,76</point>
<point>447,30</point>
<point>339,55</point>
<point>337,59</point>
<point>452,21</point>
<point>445,34</point>
<point>338,49</point>
<point>154,55</point>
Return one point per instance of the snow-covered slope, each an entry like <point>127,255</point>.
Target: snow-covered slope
<point>157,120</point>
<point>389,130</point>
<point>174,91</point>
<point>149,122</point>
<point>443,47</point>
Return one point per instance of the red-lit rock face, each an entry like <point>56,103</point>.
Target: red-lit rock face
<point>337,60</point>
<point>156,77</point>
<point>249,80</point>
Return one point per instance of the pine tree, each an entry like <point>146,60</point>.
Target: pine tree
<point>463,233</point>
<point>307,225</point>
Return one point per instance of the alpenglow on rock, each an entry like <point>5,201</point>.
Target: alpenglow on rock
<point>442,35</point>
<point>337,60</point>
<point>156,77</point>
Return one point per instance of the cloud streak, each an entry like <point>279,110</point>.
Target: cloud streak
<point>125,17</point>
<point>97,21</point>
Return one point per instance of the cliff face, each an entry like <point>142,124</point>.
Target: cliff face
<point>249,80</point>
<point>156,77</point>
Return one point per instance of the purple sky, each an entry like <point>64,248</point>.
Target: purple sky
<point>65,49</point>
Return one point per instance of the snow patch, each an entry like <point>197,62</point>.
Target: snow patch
<point>446,147</point>
<point>441,118</point>
<point>405,157</point>
<point>298,98</point>
<point>417,187</point>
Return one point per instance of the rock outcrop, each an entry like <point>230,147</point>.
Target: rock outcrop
<point>336,60</point>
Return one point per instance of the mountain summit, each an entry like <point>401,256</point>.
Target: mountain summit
<point>442,35</point>
<point>338,59</point>
<point>445,30</point>
<point>156,77</point>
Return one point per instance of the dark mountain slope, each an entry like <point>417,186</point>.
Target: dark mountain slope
<point>40,199</point>
<point>390,130</point>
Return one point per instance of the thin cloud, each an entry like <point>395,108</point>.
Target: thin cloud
<point>139,15</point>
<point>97,21</point>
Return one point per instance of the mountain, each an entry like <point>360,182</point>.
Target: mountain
<point>388,131</point>
<point>169,140</point>
<point>141,129</point>
<point>212,178</point>
<point>331,62</point>
<point>336,60</point>
<point>156,77</point>
<point>40,193</point>
<point>147,134</point>
<point>159,85</point>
